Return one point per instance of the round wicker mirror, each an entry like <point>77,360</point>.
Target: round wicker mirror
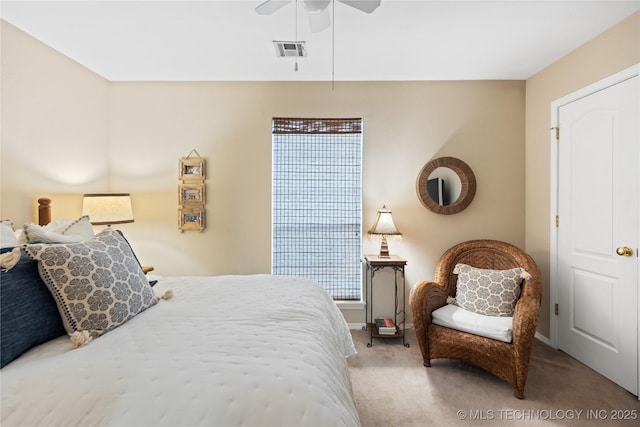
<point>427,181</point>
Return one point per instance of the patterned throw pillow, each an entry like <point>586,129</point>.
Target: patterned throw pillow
<point>97,284</point>
<point>488,292</point>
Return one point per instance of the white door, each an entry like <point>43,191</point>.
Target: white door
<point>598,186</point>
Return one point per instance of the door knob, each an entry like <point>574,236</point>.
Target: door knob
<point>624,251</point>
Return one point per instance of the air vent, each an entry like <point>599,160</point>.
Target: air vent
<point>290,49</point>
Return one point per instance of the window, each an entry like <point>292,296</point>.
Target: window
<point>317,202</point>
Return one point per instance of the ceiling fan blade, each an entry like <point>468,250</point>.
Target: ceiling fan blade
<point>366,6</point>
<point>319,21</point>
<point>270,6</point>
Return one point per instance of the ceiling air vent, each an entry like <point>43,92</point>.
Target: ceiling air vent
<point>290,49</point>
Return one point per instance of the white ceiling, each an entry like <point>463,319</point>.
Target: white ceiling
<point>401,40</point>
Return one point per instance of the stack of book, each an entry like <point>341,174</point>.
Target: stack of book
<point>386,326</point>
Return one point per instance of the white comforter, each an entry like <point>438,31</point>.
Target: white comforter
<point>254,350</point>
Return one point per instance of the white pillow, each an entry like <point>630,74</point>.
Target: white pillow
<point>58,225</point>
<point>60,231</point>
<point>8,237</point>
<point>495,327</point>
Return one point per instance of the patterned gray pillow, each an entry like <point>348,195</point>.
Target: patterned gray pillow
<point>488,292</point>
<point>97,284</point>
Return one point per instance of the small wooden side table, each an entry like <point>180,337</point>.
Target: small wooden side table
<point>375,263</point>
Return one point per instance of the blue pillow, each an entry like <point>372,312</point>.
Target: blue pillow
<point>28,313</point>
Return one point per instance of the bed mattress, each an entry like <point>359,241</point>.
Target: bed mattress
<point>226,350</point>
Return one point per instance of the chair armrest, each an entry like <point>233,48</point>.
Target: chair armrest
<point>425,297</point>
<point>525,318</point>
<point>428,295</point>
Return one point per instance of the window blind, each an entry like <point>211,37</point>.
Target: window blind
<point>317,202</point>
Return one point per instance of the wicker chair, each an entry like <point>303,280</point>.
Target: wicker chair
<point>508,361</point>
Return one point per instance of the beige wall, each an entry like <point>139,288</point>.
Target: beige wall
<point>612,51</point>
<point>131,135</point>
<point>54,124</point>
<point>406,124</point>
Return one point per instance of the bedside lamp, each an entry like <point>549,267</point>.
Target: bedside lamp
<point>108,208</point>
<point>384,226</point>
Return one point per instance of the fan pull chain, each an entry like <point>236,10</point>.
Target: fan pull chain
<point>333,44</point>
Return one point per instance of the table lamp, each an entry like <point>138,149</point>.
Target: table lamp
<point>384,226</point>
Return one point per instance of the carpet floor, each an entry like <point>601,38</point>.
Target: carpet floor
<point>392,388</point>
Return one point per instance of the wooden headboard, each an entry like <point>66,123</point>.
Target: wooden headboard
<point>44,211</point>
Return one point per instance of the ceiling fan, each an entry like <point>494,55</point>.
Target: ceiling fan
<point>318,10</point>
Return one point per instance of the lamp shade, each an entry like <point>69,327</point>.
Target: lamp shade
<point>384,224</point>
<point>108,208</point>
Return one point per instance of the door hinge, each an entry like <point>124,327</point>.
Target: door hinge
<point>557,221</point>
<point>556,309</point>
<point>557,129</point>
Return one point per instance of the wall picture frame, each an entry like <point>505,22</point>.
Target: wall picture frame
<point>191,218</point>
<point>191,193</point>
<point>191,169</point>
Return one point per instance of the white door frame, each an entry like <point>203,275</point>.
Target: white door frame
<point>555,106</point>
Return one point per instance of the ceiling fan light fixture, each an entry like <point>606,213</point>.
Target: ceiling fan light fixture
<point>315,6</point>
<point>318,10</point>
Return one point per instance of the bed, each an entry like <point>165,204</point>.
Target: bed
<point>222,350</point>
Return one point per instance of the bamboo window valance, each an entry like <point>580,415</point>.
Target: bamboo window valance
<point>285,125</point>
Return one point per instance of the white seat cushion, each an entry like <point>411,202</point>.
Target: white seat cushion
<point>454,317</point>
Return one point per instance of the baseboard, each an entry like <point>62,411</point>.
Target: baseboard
<point>542,338</point>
